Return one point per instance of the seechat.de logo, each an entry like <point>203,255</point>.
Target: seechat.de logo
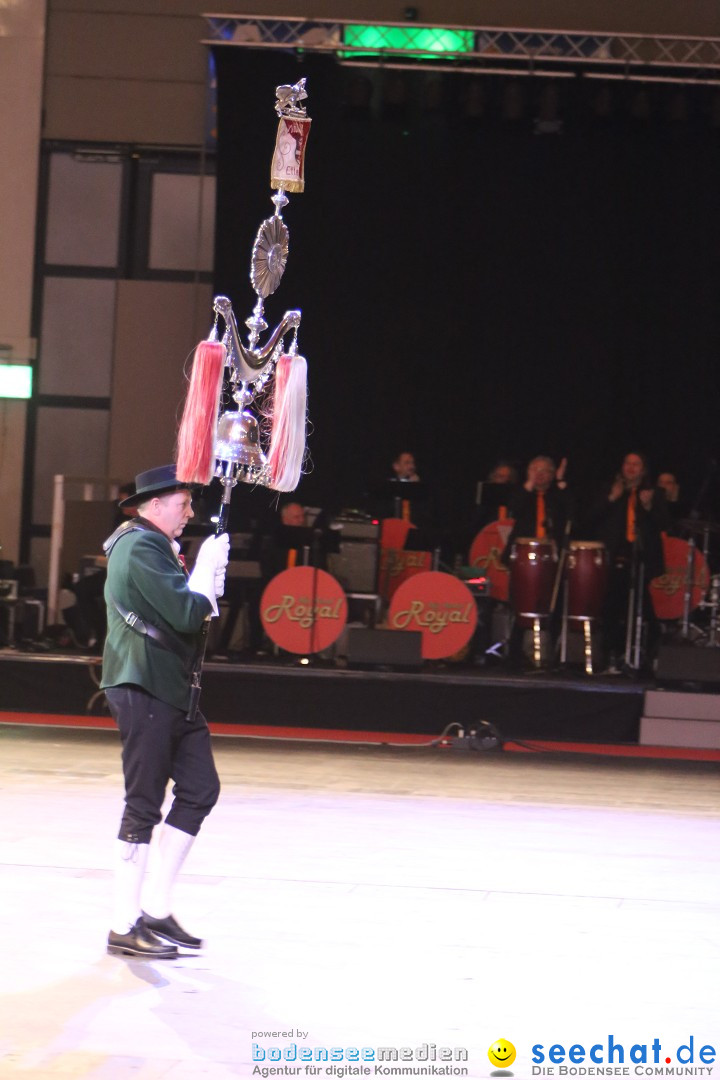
<point>639,1059</point>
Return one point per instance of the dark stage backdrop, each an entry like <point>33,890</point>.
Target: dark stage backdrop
<point>473,288</point>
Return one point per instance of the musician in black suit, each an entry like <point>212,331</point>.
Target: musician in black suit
<point>677,508</point>
<point>541,507</point>
<point>629,517</point>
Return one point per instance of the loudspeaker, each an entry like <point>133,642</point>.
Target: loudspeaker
<point>8,612</point>
<point>392,648</point>
<point>31,615</point>
<point>688,663</point>
<point>355,566</point>
<point>21,620</point>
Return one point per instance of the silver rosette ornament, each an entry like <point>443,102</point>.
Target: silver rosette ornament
<point>269,256</point>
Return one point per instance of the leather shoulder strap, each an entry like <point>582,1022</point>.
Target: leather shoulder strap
<point>131,525</point>
<point>146,629</point>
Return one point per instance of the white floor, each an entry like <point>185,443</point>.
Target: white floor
<point>366,898</point>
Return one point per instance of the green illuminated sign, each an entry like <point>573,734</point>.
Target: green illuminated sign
<point>15,381</point>
<point>427,40</point>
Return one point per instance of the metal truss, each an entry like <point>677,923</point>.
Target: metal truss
<point>475,48</point>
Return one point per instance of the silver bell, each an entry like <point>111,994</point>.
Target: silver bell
<point>238,442</point>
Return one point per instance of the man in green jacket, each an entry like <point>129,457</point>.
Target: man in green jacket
<point>155,616</point>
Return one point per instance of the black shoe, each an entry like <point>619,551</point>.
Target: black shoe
<point>140,942</point>
<point>171,930</point>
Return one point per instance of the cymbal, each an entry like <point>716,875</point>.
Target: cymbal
<point>698,526</point>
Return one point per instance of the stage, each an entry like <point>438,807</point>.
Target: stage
<point>282,693</point>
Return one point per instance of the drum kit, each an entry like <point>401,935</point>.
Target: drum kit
<point>700,590</point>
<point>531,577</point>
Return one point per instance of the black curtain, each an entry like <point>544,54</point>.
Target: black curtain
<point>487,268</point>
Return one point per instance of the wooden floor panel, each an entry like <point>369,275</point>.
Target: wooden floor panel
<point>367,898</point>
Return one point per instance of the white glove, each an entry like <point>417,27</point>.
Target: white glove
<point>208,576</point>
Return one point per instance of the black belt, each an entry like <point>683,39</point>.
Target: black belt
<point>148,630</point>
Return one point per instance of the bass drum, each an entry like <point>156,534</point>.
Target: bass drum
<point>440,607</point>
<point>667,592</point>
<point>533,564</point>
<point>587,579</point>
<point>486,554</point>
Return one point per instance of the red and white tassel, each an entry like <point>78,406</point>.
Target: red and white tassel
<point>196,437</point>
<point>289,412</point>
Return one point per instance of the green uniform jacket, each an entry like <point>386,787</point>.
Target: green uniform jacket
<point>145,576</point>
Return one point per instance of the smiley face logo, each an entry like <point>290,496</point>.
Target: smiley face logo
<point>502,1053</point>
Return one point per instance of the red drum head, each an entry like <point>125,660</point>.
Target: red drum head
<point>441,607</point>
<point>303,610</point>
<point>486,553</point>
<point>667,592</point>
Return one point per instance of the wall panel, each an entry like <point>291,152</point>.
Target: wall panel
<point>83,215</point>
<point>22,44</point>
<point>68,441</point>
<point>640,16</point>
<point>158,325</point>
<point>124,110</point>
<point>77,336</point>
<point>182,222</point>
<point>126,46</point>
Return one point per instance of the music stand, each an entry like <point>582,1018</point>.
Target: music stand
<point>396,492</point>
<point>424,540</point>
<point>492,496</point>
<point>314,542</point>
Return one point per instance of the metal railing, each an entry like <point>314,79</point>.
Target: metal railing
<point>480,48</point>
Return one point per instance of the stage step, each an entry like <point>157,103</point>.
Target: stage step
<point>671,718</point>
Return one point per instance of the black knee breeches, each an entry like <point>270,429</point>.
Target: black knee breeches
<point>159,745</point>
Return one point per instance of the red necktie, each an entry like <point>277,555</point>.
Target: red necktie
<point>630,530</point>
<point>540,516</point>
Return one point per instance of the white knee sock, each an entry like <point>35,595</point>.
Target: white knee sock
<point>130,861</point>
<point>172,848</point>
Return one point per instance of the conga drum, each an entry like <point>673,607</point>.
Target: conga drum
<point>533,564</point>
<point>587,579</point>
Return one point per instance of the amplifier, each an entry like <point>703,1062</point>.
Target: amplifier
<point>21,620</point>
<point>392,648</point>
<point>7,623</point>
<point>688,663</point>
<point>356,529</point>
<point>355,563</point>
<point>32,619</point>
<point>244,570</point>
<point>355,567</point>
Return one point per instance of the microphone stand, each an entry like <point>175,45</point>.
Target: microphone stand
<point>556,589</point>
<point>314,556</point>
<point>633,634</point>
<point>561,565</point>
